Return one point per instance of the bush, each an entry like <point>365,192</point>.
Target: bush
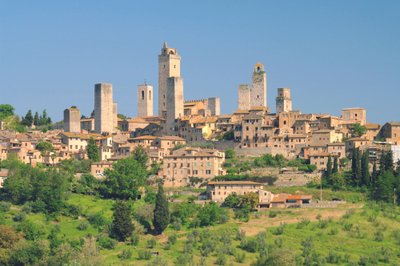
<point>105,242</point>
<point>135,239</point>
<point>151,243</point>
<point>333,231</point>
<point>31,230</point>
<point>249,245</point>
<point>73,211</point>
<point>172,239</point>
<point>19,217</point>
<point>279,230</point>
<point>303,223</point>
<point>378,236</point>
<point>27,208</point>
<point>5,206</point>
<point>272,214</point>
<point>144,254</point>
<point>98,220</point>
<point>83,226</point>
<point>125,254</point>
<point>240,256</point>
<point>221,259</point>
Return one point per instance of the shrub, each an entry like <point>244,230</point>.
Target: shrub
<point>240,235</point>
<point>221,259</point>
<point>333,258</point>
<point>19,217</point>
<point>26,208</point>
<point>322,223</point>
<point>151,243</point>
<point>333,231</point>
<point>272,214</point>
<point>176,224</point>
<point>239,256</point>
<point>125,254</point>
<point>31,230</point>
<point>172,239</point>
<point>5,206</point>
<point>83,226</point>
<point>378,236</point>
<point>144,254</point>
<point>98,220</point>
<point>249,245</point>
<point>303,223</point>
<point>347,226</point>
<point>278,242</point>
<point>73,211</point>
<point>279,230</point>
<point>105,242</point>
<point>396,236</point>
<point>134,239</point>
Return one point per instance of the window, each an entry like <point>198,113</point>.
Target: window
<point>149,95</point>
<point>142,95</point>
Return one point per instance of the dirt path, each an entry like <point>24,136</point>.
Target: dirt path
<point>256,225</point>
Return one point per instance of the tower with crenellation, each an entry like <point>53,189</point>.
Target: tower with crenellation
<point>145,100</point>
<point>259,86</point>
<point>283,101</point>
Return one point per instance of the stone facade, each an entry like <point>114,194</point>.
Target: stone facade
<point>105,110</point>
<point>244,92</point>
<point>283,100</point>
<point>72,118</point>
<point>354,115</point>
<point>145,100</point>
<point>169,65</point>
<point>259,86</point>
<point>175,103</point>
<point>214,105</point>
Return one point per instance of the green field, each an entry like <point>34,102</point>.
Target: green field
<point>346,235</point>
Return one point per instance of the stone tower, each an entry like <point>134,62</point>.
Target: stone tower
<point>259,87</point>
<point>145,100</point>
<point>72,120</point>
<point>104,108</point>
<point>169,65</point>
<point>175,103</point>
<point>283,100</point>
<point>214,105</point>
<point>244,92</point>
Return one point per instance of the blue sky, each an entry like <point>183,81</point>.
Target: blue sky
<point>333,54</point>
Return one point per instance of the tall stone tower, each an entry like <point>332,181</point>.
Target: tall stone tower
<point>214,105</point>
<point>283,100</point>
<point>175,103</point>
<point>105,110</point>
<point>259,87</point>
<point>169,65</point>
<point>72,120</point>
<point>145,100</point>
<point>244,92</point>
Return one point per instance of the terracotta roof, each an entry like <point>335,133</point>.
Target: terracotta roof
<point>146,137</point>
<point>299,197</point>
<point>81,136</point>
<point>171,138</point>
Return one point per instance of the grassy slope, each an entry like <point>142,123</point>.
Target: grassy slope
<point>343,242</point>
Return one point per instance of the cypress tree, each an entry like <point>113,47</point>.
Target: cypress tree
<point>356,166</point>
<point>161,213</point>
<point>335,165</point>
<point>329,167</point>
<point>121,227</point>
<point>365,178</point>
<point>36,119</point>
<point>140,155</point>
<point>28,119</point>
<point>92,151</point>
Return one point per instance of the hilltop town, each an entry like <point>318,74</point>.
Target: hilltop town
<point>240,166</point>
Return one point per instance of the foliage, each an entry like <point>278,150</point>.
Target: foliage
<point>230,154</point>
<point>210,214</point>
<point>161,212</point>
<point>44,146</point>
<point>6,110</point>
<point>87,184</point>
<point>358,130</point>
<point>140,155</point>
<point>121,227</point>
<point>92,151</point>
<point>124,180</point>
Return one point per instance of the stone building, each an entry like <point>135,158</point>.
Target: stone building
<point>283,100</point>
<point>105,113</point>
<point>187,162</point>
<point>244,97</point>
<point>87,124</point>
<point>354,115</point>
<point>72,120</point>
<point>174,104</point>
<point>259,86</point>
<point>391,132</point>
<point>169,65</point>
<point>219,191</point>
<point>145,100</point>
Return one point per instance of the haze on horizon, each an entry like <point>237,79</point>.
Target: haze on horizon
<point>332,54</point>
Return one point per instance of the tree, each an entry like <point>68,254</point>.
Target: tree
<point>230,153</point>
<point>356,166</point>
<point>92,150</point>
<point>335,165</point>
<point>365,177</point>
<point>329,167</point>
<point>140,155</point>
<point>36,119</point>
<point>161,212</point>
<point>121,227</point>
<point>6,110</point>
<point>358,130</point>
<point>384,185</point>
<point>28,119</point>
<point>124,180</point>
<point>44,146</point>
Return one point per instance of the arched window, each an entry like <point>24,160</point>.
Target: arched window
<point>150,95</point>
<point>142,95</point>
